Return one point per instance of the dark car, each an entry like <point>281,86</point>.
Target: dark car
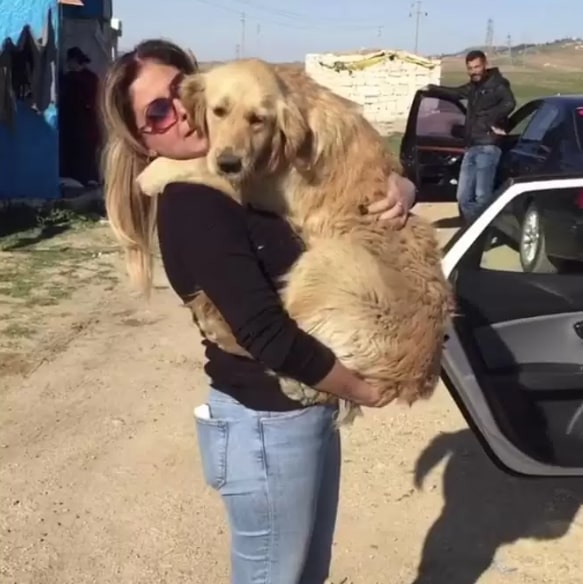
<point>544,137</point>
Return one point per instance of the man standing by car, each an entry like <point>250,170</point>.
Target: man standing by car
<point>79,120</point>
<point>490,102</point>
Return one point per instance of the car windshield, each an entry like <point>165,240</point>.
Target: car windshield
<point>579,124</point>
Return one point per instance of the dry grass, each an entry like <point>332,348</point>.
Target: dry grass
<point>42,278</point>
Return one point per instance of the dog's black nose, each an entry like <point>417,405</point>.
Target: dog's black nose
<point>229,163</point>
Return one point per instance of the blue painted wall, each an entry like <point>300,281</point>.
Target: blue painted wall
<point>29,155</point>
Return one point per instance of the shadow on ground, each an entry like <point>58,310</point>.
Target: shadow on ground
<point>45,233</point>
<point>485,509</point>
<point>22,225</point>
<point>448,223</point>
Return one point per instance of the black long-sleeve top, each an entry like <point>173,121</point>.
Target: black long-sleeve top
<point>235,255</point>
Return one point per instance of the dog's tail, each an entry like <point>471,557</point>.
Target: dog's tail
<point>347,413</point>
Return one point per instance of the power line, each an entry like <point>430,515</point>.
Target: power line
<point>289,24</point>
<point>288,14</point>
<point>277,11</point>
<point>417,13</point>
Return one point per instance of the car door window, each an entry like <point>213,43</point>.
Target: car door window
<point>519,120</point>
<point>437,117</point>
<point>540,123</point>
<point>537,235</point>
<point>519,128</point>
<point>513,357</point>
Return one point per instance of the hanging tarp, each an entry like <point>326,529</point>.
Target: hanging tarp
<point>359,63</point>
<point>27,71</point>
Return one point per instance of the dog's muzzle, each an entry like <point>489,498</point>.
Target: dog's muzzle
<point>229,163</point>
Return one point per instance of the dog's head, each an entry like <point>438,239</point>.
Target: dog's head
<point>254,122</point>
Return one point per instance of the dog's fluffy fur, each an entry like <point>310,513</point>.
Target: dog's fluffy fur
<point>373,294</point>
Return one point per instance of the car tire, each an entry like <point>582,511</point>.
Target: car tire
<point>532,244</point>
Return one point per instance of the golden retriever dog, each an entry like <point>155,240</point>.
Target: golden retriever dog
<point>374,294</point>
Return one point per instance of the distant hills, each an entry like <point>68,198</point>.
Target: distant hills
<point>561,55</point>
<point>559,44</point>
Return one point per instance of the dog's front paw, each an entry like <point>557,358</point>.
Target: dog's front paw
<point>163,171</point>
<point>156,176</point>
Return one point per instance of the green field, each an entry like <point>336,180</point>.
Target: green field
<point>528,85</point>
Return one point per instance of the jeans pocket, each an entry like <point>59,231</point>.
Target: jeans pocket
<point>213,438</point>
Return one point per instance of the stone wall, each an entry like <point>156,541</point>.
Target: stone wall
<point>383,83</point>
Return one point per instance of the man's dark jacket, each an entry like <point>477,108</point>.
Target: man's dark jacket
<point>490,102</point>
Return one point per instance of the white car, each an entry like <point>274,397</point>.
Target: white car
<point>513,357</point>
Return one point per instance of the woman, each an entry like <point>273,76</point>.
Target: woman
<point>275,464</point>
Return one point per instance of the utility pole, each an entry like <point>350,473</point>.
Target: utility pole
<point>417,13</point>
<point>243,25</point>
<point>509,45</point>
<point>524,52</point>
<point>237,51</point>
<point>258,31</point>
<point>489,44</point>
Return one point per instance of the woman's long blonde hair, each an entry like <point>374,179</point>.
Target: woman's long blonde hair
<point>132,215</point>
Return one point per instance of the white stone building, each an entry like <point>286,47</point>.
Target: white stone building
<point>382,82</point>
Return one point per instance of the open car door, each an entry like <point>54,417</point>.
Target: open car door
<point>433,145</point>
<point>513,358</point>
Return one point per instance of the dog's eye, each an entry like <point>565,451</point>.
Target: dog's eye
<point>255,120</point>
<point>219,111</point>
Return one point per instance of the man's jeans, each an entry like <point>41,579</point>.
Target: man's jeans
<point>476,181</point>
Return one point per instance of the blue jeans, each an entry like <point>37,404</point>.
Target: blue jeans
<point>476,181</point>
<point>278,474</point>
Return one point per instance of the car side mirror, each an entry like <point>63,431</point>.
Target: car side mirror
<point>458,131</point>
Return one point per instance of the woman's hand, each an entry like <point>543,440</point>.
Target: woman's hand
<point>398,202</point>
<point>364,394</point>
<point>347,384</point>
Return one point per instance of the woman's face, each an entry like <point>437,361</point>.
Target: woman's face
<point>161,120</point>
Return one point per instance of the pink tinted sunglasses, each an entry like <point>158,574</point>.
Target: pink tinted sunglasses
<point>161,113</point>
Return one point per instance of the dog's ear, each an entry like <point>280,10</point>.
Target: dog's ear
<point>276,157</point>
<point>294,133</point>
<point>192,95</point>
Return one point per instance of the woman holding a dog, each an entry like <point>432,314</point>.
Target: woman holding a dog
<point>275,463</point>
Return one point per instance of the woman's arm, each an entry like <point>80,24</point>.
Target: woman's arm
<point>205,244</point>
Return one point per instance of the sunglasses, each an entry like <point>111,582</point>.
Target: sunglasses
<point>161,113</point>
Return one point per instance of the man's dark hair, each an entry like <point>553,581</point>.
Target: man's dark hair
<point>475,55</point>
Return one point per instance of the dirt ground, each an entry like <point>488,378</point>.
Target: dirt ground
<point>99,473</point>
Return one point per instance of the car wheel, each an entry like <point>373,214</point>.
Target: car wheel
<point>532,247</point>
